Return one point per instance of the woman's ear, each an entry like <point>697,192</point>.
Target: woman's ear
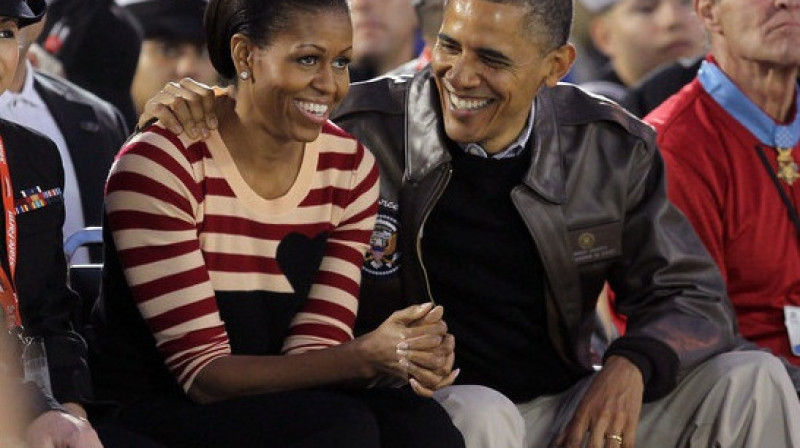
<point>242,55</point>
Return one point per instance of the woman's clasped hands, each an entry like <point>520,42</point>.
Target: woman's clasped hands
<point>413,344</point>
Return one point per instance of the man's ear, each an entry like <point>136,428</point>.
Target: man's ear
<point>560,60</point>
<point>707,14</point>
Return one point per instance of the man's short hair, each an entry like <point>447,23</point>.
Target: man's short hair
<point>551,19</point>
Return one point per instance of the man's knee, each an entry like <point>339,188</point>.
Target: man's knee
<point>484,416</point>
<point>751,368</point>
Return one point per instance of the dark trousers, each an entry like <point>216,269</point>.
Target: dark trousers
<point>385,418</point>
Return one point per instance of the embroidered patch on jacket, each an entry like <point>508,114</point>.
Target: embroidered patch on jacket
<point>382,258</point>
<point>596,243</point>
<point>34,198</point>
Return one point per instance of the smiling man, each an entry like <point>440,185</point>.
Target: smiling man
<point>511,199</point>
<point>515,198</point>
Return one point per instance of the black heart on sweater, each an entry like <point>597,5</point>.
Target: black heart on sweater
<point>299,258</point>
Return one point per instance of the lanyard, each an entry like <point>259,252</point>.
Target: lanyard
<point>8,293</point>
<point>784,197</point>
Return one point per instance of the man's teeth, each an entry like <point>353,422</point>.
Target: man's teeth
<point>467,104</point>
<point>314,108</point>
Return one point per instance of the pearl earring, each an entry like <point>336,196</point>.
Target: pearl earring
<point>244,75</point>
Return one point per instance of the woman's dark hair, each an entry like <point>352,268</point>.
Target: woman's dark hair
<point>259,20</point>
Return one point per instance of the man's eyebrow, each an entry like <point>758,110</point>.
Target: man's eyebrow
<point>490,53</point>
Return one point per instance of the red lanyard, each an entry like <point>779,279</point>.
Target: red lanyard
<point>8,293</point>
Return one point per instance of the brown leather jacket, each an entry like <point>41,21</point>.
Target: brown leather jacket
<point>595,203</point>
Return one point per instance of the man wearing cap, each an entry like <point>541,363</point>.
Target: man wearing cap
<point>174,45</point>
<point>33,289</point>
<point>87,130</point>
<point>638,37</point>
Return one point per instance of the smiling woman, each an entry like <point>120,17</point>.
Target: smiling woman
<point>233,263</point>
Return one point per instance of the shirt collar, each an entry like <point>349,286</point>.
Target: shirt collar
<point>746,112</point>
<point>512,150</point>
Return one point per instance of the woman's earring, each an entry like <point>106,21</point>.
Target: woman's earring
<point>244,75</point>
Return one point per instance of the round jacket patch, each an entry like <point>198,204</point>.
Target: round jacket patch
<point>382,258</point>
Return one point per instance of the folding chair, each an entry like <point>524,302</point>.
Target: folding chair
<point>84,279</point>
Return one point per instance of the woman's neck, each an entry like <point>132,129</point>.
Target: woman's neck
<point>267,165</point>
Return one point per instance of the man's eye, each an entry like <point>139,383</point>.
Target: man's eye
<point>449,48</point>
<point>8,34</point>
<point>169,51</point>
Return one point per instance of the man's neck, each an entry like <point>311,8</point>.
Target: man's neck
<point>19,76</point>
<point>770,87</point>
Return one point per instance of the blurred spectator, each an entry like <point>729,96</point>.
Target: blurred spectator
<point>174,46</point>
<point>731,143</point>
<point>384,36</point>
<point>429,15</point>
<point>639,36</point>
<point>87,130</point>
<point>590,61</point>
<point>97,45</point>
<point>659,85</point>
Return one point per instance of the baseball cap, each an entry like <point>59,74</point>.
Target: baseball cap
<point>24,12</point>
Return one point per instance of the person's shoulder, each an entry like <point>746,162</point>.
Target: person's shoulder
<point>14,134</point>
<point>156,139</point>
<point>660,84</point>
<point>336,140</point>
<point>385,94</point>
<point>27,146</point>
<point>577,106</point>
<point>72,93</point>
<point>678,111</point>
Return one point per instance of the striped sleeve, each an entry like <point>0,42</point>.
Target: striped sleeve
<point>152,201</point>
<point>328,316</point>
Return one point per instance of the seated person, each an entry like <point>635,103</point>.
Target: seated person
<point>511,198</point>
<point>639,36</point>
<point>47,391</point>
<point>230,286</point>
<point>731,142</point>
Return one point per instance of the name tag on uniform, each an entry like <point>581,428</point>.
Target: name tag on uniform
<point>791,315</point>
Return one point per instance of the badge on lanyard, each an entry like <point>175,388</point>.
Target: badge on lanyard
<point>791,316</point>
<point>34,364</point>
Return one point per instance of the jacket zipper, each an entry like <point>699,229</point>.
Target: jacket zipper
<point>437,193</point>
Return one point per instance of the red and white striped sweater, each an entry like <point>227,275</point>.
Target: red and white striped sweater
<point>216,269</point>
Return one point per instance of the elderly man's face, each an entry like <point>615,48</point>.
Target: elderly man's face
<point>488,69</point>
<point>761,31</point>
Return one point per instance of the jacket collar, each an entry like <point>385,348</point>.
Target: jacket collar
<point>426,141</point>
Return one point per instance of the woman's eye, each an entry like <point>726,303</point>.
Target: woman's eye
<point>341,63</point>
<point>8,34</point>
<point>308,60</point>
